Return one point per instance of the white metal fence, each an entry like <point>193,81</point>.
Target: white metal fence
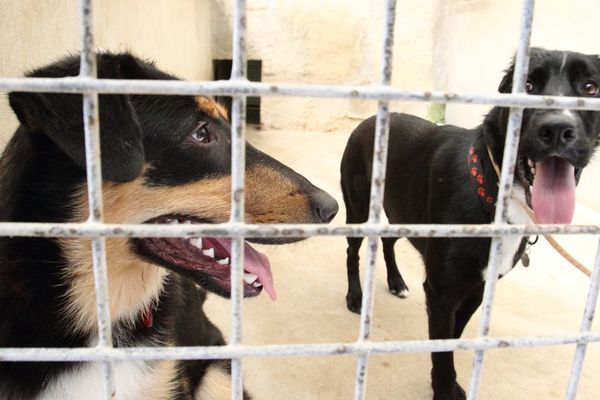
<point>239,88</point>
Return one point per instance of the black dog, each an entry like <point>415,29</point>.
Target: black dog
<point>445,175</point>
<point>166,159</point>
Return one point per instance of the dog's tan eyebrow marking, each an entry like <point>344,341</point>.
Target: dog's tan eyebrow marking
<point>212,108</point>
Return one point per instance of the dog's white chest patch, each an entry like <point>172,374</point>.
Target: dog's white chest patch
<point>86,382</point>
<point>510,244</point>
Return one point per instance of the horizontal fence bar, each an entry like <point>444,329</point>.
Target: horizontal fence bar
<point>286,350</point>
<point>246,88</point>
<point>34,229</point>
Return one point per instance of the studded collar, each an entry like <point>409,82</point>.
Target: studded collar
<point>482,174</point>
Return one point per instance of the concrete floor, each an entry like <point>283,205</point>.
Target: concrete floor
<point>545,299</point>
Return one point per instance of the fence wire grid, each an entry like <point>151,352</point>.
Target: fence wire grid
<point>239,88</point>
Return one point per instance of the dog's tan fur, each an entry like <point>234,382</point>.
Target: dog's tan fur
<point>163,385</point>
<point>135,284</point>
<point>216,385</point>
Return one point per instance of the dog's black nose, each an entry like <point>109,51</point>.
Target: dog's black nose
<point>558,132</point>
<point>325,206</point>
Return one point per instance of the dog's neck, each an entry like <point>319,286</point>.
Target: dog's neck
<point>134,287</point>
<point>483,174</point>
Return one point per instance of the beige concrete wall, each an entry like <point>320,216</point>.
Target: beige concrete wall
<point>329,42</point>
<point>459,45</point>
<point>174,33</point>
<point>477,38</point>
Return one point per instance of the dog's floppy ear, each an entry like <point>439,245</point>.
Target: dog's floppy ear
<point>60,116</point>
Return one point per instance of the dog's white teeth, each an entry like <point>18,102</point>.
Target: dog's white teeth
<point>197,242</point>
<point>257,284</point>
<point>210,253</point>
<point>224,261</point>
<point>187,222</point>
<point>249,278</point>
<point>173,221</point>
<point>531,165</point>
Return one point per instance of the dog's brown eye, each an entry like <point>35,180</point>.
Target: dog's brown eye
<point>591,89</point>
<point>201,133</point>
<point>529,87</point>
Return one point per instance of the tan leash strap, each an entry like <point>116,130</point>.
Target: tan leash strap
<point>496,168</point>
<point>559,249</point>
<point>567,256</point>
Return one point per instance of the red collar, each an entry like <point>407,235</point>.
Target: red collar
<point>483,179</point>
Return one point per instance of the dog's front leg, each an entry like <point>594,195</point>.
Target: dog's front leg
<point>441,312</point>
<point>354,295</point>
<point>395,281</point>
<point>468,306</point>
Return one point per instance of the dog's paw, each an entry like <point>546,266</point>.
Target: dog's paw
<point>398,287</point>
<point>457,394</point>
<point>402,293</point>
<point>354,302</point>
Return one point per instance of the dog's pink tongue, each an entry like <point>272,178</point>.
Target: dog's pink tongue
<point>553,195</point>
<point>256,263</point>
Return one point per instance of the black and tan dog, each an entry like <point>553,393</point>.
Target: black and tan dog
<point>445,175</point>
<point>165,159</point>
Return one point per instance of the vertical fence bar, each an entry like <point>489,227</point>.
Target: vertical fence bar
<point>586,325</point>
<point>238,166</point>
<point>382,129</point>
<point>509,159</point>
<point>94,181</point>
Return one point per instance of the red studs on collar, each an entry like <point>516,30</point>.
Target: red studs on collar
<point>479,181</point>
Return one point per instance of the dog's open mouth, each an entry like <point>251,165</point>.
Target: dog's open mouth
<point>550,185</point>
<point>207,260</point>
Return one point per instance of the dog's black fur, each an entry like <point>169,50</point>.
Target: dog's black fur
<point>164,158</point>
<point>428,181</point>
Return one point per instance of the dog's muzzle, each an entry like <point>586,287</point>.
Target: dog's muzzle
<point>556,134</point>
<point>553,145</point>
